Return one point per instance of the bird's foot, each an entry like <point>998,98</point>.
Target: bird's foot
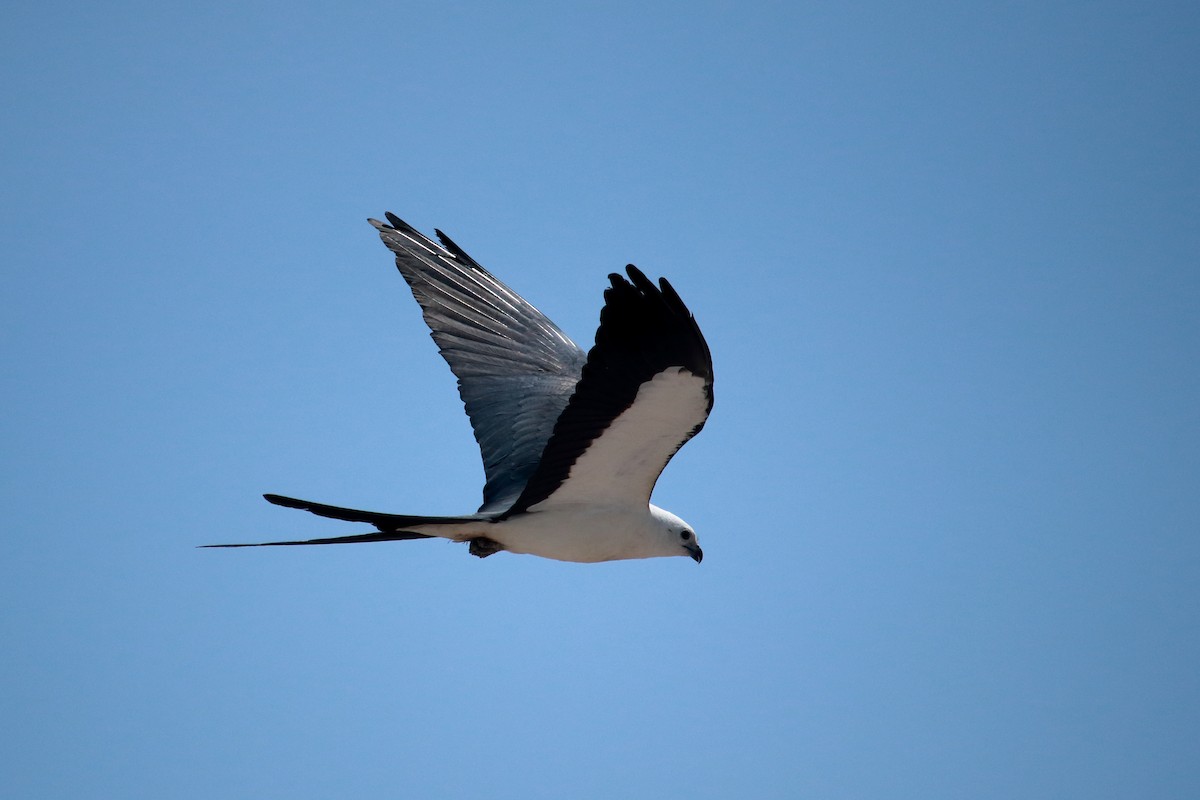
<point>484,547</point>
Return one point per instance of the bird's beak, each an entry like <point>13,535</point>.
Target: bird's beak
<point>695,552</point>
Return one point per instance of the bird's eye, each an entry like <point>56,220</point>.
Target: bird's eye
<point>685,535</point>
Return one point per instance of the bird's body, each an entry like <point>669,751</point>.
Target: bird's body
<point>572,443</point>
<point>581,532</point>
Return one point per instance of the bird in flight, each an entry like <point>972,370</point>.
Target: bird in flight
<point>572,443</point>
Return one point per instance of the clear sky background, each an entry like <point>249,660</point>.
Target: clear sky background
<point>947,256</point>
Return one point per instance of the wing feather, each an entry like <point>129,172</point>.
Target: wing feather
<point>516,369</point>
<point>646,389</point>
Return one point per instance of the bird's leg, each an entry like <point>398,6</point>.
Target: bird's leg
<point>484,547</point>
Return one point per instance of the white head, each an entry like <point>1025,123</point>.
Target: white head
<point>677,537</point>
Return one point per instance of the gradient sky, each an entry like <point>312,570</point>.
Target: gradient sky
<point>947,257</point>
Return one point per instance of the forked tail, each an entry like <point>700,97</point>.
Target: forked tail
<point>391,527</point>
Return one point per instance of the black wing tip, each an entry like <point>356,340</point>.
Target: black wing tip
<point>640,285</point>
<point>644,330</point>
<point>637,276</point>
<point>455,250</point>
<point>394,224</point>
<point>638,279</point>
<point>669,292</point>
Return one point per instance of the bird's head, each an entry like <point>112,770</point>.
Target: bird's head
<point>677,537</point>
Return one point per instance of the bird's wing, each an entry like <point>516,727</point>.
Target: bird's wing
<point>647,388</point>
<point>515,368</point>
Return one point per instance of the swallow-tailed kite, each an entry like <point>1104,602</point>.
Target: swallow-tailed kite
<point>572,444</point>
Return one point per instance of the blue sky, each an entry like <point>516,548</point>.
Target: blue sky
<point>947,256</point>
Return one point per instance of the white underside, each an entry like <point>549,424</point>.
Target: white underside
<point>586,533</point>
<point>622,465</point>
<point>602,511</point>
